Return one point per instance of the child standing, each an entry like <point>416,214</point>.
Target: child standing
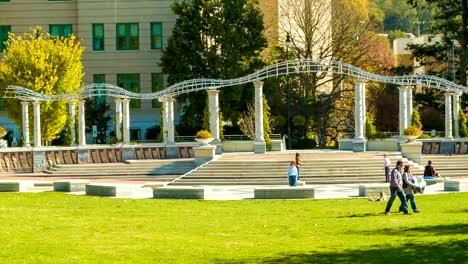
<point>292,174</point>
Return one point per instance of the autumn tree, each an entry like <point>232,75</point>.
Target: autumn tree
<point>44,64</point>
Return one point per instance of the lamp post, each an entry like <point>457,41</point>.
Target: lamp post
<point>287,43</point>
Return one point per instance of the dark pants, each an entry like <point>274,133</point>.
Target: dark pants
<point>298,172</point>
<point>393,194</point>
<point>387,173</point>
<point>292,180</point>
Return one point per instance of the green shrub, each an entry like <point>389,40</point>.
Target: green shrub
<point>203,134</point>
<point>3,132</point>
<point>424,136</point>
<point>416,119</point>
<point>412,131</point>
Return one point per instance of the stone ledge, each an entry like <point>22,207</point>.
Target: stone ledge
<point>10,186</point>
<point>70,186</point>
<point>114,190</point>
<point>284,192</point>
<point>179,192</point>
<point>453,185</point>
<point>373,189</point>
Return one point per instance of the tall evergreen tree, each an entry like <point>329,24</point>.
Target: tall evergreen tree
<point>219,39</point>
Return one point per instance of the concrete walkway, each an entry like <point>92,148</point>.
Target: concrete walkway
<point>230,192</point>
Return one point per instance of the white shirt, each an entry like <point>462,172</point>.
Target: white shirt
<point>387,162</point>
<point>292,171</point>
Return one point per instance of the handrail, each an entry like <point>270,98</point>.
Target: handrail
<point>306,65</point>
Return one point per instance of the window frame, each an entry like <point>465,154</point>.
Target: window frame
<point>98,39</point>
<point>156,45</point>
<point>4,29</point>
<point>156,79</point>
<point>98,100</point>
<point>61,29</point>
<point>127,36</point>
<point>125,80</point>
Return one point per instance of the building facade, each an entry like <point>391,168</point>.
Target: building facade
<point>123,40</point>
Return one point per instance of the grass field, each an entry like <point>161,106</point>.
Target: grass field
<point>62,228</point>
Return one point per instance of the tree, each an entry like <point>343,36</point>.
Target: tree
<point>219,39</point>
<point>44,64</point>
<point>450,20</point>
<point>336,30</point>
<point>416,121</point>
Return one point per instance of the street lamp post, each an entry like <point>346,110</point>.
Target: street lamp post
<point>287,43</point>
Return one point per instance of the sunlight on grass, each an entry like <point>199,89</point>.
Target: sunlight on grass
<point>62,228</point>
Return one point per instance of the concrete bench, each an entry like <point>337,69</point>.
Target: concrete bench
<point>185,192</point>
<point>456,185</point>
<point>70,186</point>
<point>154,184</point>
<point>284,192</point>
<point>373,189</point>
<point>10,186</point>
<point>107,189</point>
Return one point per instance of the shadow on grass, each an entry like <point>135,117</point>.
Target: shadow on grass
<point>430,230</point>
<point>453,252</point>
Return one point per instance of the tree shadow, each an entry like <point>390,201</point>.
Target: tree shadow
<point>429,230</point>
<point>452,252</point>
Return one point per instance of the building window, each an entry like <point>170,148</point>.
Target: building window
<point>157,84</point>
<point>4,1</point>
<point>60,30</point>
<point>130,82</point>
<point>98,36</point>
<point>156,36</point>
<point>127,36</point>
<point>4,30</point>
<point>99,100</point>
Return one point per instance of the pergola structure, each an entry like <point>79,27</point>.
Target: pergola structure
<point>212,86</point>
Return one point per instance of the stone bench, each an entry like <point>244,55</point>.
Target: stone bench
<point>107,189</point>
<point>70,186</point>
<point>373,189</point>
<point>155,184</point>
<point>10,186</point>
<point>185,192</point>
<point>456,185</point>
<point>284,192</point>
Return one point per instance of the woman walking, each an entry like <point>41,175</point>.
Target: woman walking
<point>408,186</point>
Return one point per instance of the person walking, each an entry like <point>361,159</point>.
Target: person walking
<point>298,165</point>
<point>292,174</point>
<point>387,164</point>
<point>396,188</point>
<point>408,187</point>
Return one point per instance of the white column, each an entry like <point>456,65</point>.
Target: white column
<point>81,123</point>
<point>213,99</point>
<point>409,103</point>
<point>456,108</point>
<point>359,110</point>
<point>259,111</point>
<point>164,118</point>
<point>25,111</point>
<point>448,116</point>
<point>403,112</point>
<point>71,111</point>
<point>126,121</point>
<point>37,124</point>
<point>170,120</point>
<point>118,119</point>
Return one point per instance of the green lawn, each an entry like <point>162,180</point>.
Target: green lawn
<point>62,228</point>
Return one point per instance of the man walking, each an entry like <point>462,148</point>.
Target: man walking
<point>396,188</point>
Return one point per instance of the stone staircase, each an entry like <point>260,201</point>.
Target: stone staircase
<point>133,170</point>
<point>271,169</point>
<point>448,166</point>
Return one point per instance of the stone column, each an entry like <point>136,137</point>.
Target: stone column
<point>81,123</point>
<point>448,116</point>
<point>170,120</point>
<point>259,143</point>
<point>37,124</point>
<point>456,109</point>
<point>359,141</point>
<point>403,113</point>
<point>164,118</point>
<point>71,111</point>
<point>213,99</point>
<point>409,103</point>
<point>118,119</point>
<point>126,121</point>
<point>25,111</point>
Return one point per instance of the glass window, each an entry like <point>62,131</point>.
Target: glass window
<point>60,30</point>
<point>156,35</point>
<point>127,35</point>
<point>130,82</point>
<point>4,30</point>
<point>157,84</point>
<point>98,36</point>
<point>4,0</point>
<point>99,78</point>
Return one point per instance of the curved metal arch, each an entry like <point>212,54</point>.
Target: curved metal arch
<point>278,69</point>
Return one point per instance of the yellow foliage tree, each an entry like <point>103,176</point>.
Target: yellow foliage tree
<point>45,64</point>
